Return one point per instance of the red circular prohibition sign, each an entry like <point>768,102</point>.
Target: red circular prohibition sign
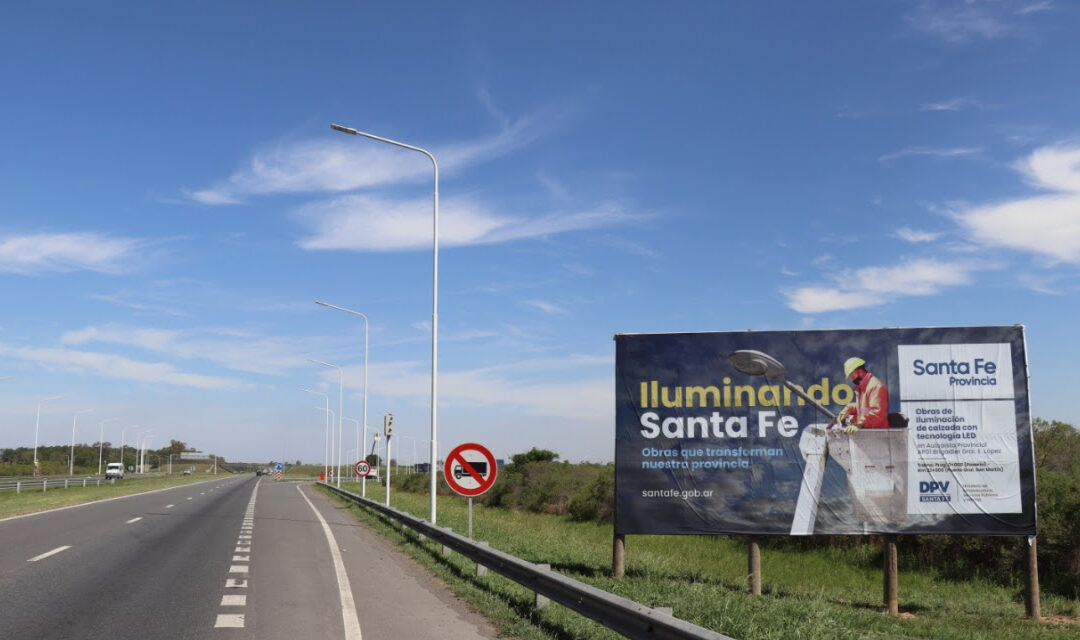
<point>465,470</point>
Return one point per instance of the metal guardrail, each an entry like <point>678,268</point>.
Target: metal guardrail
<point>619,614</point>
<point>44,483</point>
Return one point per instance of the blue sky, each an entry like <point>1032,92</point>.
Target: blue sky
<point>173,202</point>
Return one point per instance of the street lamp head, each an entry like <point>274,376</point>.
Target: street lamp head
<point>338,127</point>
<point>325,364</point>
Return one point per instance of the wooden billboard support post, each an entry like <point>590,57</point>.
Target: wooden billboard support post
<point>892,584</point>
<point>618,556</point>
<point>1031,596</point>
<point>753,562</point>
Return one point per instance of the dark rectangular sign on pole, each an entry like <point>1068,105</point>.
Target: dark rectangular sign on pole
<point>923,430</point>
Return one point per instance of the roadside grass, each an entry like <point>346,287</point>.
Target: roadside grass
<point>30,500</point>
<point>832,594</point>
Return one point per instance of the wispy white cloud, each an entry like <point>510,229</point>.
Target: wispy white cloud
<point>62,252</point>
<point>1047,225</point>
<point>336,164</point>
<point>546,307</point>
<point>368,223</point>
<point>1035,7</point>
<point>135,302</point>
<point>916,236</point>
<point>929,151</point>
<point>848,112</point>
<point>113,366</point>
<point>631,247</point>
<point>874,286</point>
<point>227,348</point>
<point>525,386</point>
<point>965,21</point>
<point>955,104</point>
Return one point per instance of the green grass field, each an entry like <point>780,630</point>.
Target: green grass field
<point>34,499</point>
<point>822,594</point>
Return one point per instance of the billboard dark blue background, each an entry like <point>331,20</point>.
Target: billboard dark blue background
<point>761,499</point>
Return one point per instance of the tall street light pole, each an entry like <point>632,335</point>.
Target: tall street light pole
<point>71,460</point>
<point>330,421</point>
<point>360,446</point>
<point>101,442</point>
<point>434,298</point>
<point>37,425</point>
<point>340,407</point>
<point>123,432</point>
<point>140,459</point>
<point>326,443</point>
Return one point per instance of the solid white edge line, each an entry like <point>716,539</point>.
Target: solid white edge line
<point>348,606</point>
<point>49,553</point>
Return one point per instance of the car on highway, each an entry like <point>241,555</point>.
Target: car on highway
<point>114,470</point>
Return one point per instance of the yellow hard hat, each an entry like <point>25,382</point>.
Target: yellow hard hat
<point>852,364</point>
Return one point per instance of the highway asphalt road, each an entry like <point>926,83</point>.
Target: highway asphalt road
<point>234,557</point>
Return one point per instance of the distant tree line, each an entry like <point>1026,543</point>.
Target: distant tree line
<point>55,459</point>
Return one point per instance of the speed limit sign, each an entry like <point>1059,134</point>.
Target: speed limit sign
<point>363,468</point>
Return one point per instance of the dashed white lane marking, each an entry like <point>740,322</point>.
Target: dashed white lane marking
<point>243,546</point>
<point>169,506</point>
<point>348,606</point>
<point>50,553</point>
<point>189,497</point>
<point>230,620</point>
<point>133,520</point>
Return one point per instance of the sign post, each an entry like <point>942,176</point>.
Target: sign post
<point>470,471</point>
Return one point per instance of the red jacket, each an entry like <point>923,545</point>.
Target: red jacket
<point>871,408</point>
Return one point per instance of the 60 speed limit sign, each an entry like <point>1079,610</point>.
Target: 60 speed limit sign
<point>363,468</point>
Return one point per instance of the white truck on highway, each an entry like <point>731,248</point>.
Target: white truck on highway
<point>114,470</point>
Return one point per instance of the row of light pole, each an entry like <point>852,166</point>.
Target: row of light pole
<point>140,459</point>
<point>434,306</point>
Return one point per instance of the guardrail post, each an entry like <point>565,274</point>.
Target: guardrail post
<point>84,483</point>
<point>18,486</point>
<point>618,556</point>
<point>446,549</point>
<point>540,601</point>
<point>481,570</point>
<point>65,483</point>
<point>44,485</point>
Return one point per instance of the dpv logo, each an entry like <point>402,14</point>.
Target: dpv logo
<point>934,492</point>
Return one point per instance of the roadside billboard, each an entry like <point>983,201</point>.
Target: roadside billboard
<point>923,430</point>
